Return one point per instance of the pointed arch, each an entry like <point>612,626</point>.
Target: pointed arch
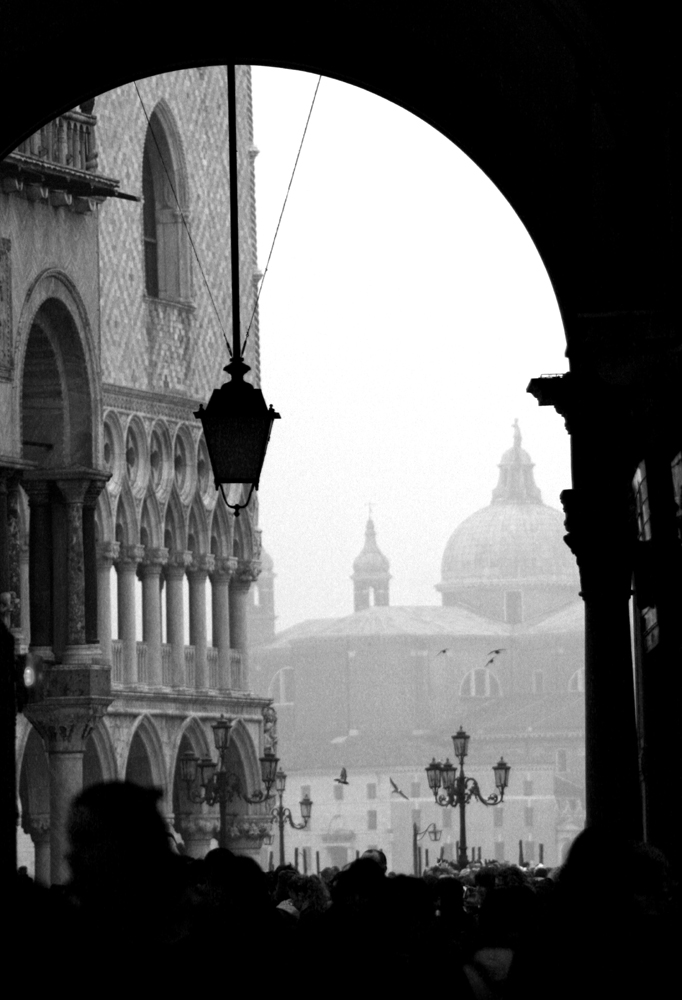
<point>126,527</point>
<point>150,522</point>
<point>105,527</point>
<point>147,733</point>
<point>244,746</point>
<point>480,683</point>
<point>174,529</point>
<point>221,531</point>
<point>100,750</point>
<point>114,451</point>
<point>165,208</point>
<point>198,537</point>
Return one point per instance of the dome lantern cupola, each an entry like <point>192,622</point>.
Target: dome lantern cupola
<point>370,573</point>
<point>516,483</point>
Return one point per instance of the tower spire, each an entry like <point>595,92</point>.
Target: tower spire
<point>370,572</point>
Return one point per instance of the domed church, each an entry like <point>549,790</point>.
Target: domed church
<point>381,691</point>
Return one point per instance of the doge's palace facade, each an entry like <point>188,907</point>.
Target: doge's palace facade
<point>120,568</point>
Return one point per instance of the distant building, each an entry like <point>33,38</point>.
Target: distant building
<point>381,691</point>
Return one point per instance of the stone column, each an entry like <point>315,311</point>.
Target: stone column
<point>73,493</point>
<point>90,568</point>
<point>24,597</point>
<point>150,574</point>
<point>175,618</point>
<point>220,598</point>
<point>107,553</point>
<point>197,573</point>
<point>14,554</point>
<point>4,538</point>
<point>126,568</point>
<point>38,829</point>
<point>65,722</point>
<point>240,585</point>
<point>40,566</point>
<point>197,831</point>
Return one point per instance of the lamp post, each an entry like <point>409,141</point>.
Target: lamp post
<point>283,815</point>
<point>459,790</point>
<point>417,834</point>
<point>211,782</point>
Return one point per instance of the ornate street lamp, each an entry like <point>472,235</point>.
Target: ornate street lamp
<point>211,782</point>
<point>451,789</point>
<point>283,815</point>
<point>417,834</point>
<point>237,423</point>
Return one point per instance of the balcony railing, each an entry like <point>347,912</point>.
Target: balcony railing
<point>68,141</point>
<point>215,681</point>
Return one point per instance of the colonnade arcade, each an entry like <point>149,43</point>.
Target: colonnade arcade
<point>92,490</point>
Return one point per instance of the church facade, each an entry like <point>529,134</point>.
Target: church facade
<point>121,571</point>
<point>381,691</point>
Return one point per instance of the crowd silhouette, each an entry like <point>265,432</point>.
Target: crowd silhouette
<point>138,915</point>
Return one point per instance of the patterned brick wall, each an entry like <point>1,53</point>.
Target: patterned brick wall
<point>150,344</point>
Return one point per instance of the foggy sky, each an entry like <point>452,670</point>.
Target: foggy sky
<point>405,310</point>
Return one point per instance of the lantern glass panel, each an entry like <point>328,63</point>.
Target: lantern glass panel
<point>501,771</point>
<point>207,768</point>
<point>280,782</point>
<point>433,774</point>
<point>268,767</point>
<point>188,766</point>
<point>221,733</point>
<point>306,807</point>
<point>460,742</point>
<point>449,773</point>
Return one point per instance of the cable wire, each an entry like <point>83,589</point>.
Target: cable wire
<point>286,198</point>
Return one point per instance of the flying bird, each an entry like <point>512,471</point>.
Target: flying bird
<point>496,652</point>
<point>396,790</point>
<point>342,780</point>
<point>441,651</point>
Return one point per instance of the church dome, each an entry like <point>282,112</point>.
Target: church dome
<point>514,542</point>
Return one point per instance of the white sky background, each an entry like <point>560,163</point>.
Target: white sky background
<point>403,315</point>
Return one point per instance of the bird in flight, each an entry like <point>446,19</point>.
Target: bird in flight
<point>396,790</point>
<point>496,652</point>
<point>342,780</point>
<point>441,651</point>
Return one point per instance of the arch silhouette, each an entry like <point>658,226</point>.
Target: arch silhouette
<point>146,731</point>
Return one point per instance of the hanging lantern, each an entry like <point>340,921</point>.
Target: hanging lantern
<point>448,773</point>
<point>306,807</point>
<point>237,425</point>
<point>280,782</point>
<point>221,733</point>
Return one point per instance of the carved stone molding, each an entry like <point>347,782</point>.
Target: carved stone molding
<point>65,724</point>
<point>130,555</point>
<point>108,552</point>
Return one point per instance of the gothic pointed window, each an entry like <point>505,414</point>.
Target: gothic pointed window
<point>164,214</point>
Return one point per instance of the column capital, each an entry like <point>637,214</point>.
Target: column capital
<point>66,723</point>
<point>177,563</point>
<point>73,491</point>
<point>196,825</point>
<point>38,491</point>
<point>223,568</point>
<point>130,555</point>
<point>108,552</point>
<point>154,559</point>
<point>244,575</point>
<point>37,826</point>
<point>94,488</point>
<point>203,563</point>
<point>601,534</point>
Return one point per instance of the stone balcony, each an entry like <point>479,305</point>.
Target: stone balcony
<point>58,164</point>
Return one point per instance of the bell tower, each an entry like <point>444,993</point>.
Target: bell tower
<point>370,573</point>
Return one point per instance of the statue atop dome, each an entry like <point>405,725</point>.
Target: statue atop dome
<point>517,482</point>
